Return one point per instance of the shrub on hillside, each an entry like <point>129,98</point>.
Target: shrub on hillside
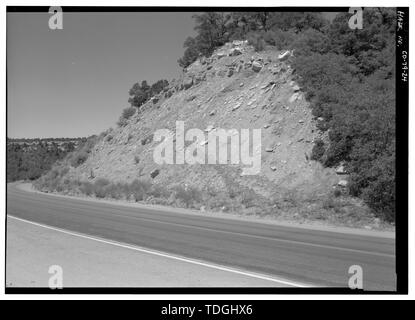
<point>139,189</point>
<point>115,191</point>
<point>191,53</point>
<point>87,188</point>
<point>79,158</point>
<point>318,150</point>
<point>248,198</point>
<point>141,93</point>
<point>101,187</point>
<point>188,196</point>
<point>127,113</point>
<point>147,139</point>
<point>257,41</point>
<point>374,181</point>
<point>122,122</point>
<point>308,42</point>
<point>81,153</point>
<point>332,203</point>
<point>279,38</point>
<point>51,181</point>
<point>159,191</point>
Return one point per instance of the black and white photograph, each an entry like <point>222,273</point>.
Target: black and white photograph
<point>206,150</point>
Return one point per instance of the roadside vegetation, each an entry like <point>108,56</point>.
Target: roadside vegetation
<point>287,205</point>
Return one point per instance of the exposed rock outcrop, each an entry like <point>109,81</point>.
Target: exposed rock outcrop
<point>235,88</point>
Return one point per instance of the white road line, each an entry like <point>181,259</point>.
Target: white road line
<point>166,255</point>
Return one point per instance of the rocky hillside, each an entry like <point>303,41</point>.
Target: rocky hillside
<point>235,88</point>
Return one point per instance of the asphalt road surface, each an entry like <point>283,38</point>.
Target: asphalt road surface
<point>302,256</point>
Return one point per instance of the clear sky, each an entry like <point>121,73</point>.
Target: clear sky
<point>74,82</point>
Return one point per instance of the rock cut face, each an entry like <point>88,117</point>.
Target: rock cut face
<point>234,89</point>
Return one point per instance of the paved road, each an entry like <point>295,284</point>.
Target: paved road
<point>312,257</point>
